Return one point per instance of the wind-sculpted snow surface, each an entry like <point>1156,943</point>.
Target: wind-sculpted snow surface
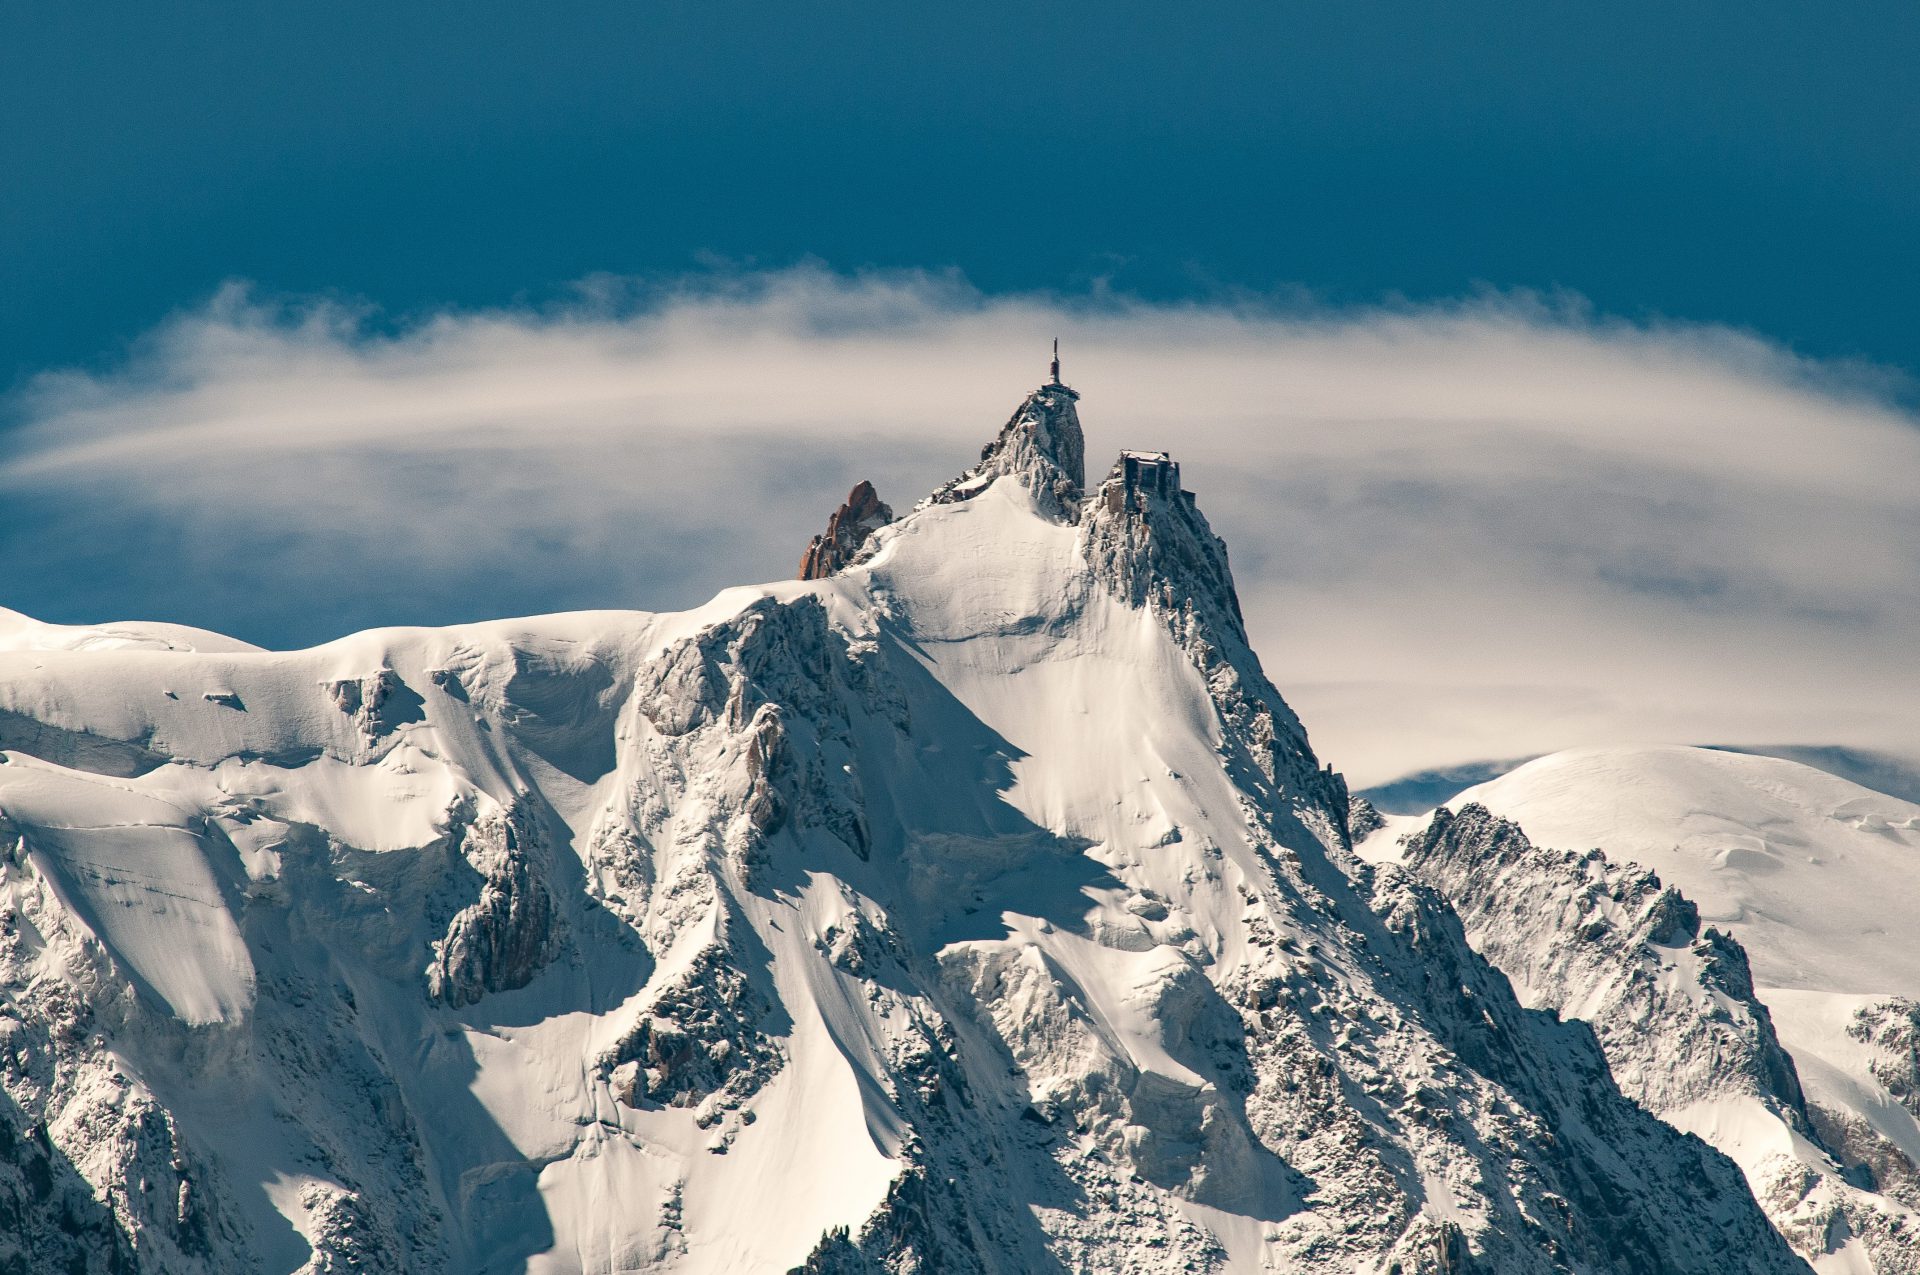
<point>980,907</point>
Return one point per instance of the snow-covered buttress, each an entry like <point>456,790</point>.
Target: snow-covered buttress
<point>980,906</point>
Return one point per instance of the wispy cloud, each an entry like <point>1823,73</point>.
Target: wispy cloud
<point>1487,529</point>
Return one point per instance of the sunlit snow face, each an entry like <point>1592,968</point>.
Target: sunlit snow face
<point>1490,530</point>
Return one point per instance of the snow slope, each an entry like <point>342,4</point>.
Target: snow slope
<point>1817,877</point>
<point>980,907</point>
<point>23,633</point>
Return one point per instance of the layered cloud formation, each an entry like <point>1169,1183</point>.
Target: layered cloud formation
<point>1484,530</point>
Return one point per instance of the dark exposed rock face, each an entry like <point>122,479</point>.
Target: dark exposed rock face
<point>755,705</point>
<point>95,1175</point>
<point>1150,542</point>
<point>705,1034</point>
<point>1894,1027</point>
<point>503,938</point>
<point>379,704</point>
<point>1362,818</point>
<point>921,1226</point>
<point>1673,1006</point>
<point>847,531</point>
<point>1649,1217</point>
<point>1891,1029</point>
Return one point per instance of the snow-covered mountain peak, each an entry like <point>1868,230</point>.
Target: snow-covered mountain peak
<point>22,633</point>
<point>978,907</point>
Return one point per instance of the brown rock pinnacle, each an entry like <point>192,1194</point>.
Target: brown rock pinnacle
<point>847,530</point>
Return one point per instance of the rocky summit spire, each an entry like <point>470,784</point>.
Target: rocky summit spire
<point>1042,446</point>
<point>1149,540</point>
<point>847,531</point>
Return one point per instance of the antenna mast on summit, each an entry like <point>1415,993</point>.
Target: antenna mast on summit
<point>1056,361</point>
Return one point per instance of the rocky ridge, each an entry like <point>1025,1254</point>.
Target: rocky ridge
<point>1041,446</point>
<point>1674,1008</point>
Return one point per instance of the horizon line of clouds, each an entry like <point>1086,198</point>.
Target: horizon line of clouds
<point>237,332</point>
<point>1487,527</point>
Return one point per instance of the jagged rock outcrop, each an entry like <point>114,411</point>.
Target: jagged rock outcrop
<point>1892,1027</point>
<point>920,1228</point>
<point>1607,943</point>
<point>1481,1022</point>
<point>502,939</point>
<point>1041,446</point>
<point>1890,1030</point>
<point>379,704</point>
<point>848,530</point>
<point>49,1216</point>
<point>1363,819</point>
<point>751,716</point>
<point>702,1041</point>
<point>94,1172</point>
<point>1145,539</point>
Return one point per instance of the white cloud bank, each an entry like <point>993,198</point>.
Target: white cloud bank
<point>1484,530</point>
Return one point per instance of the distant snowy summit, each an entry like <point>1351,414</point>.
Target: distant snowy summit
<point>1743,947</point>
<point>974,903</point>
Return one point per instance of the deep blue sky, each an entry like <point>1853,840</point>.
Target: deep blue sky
<point>1757,164</point>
